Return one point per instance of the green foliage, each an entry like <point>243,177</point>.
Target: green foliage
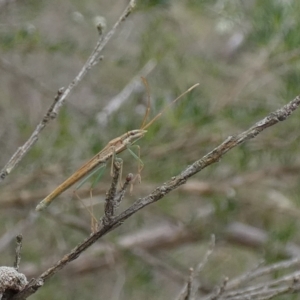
<point>66,47</point>
<point>24,39</point>
<point>64,136</point>
<point>198,4</point>
<point>151,46</point>
<point>149,4</point>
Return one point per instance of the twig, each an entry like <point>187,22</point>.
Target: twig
<point>120,195</point>
<point>110,205</point>
<point>188,295</point>
<point>286,279</point>
<point>212,157</point>
<point>95,56</point>
<point>63,94</point>
<point>293,288</point>
<point>220,290</point>
<point>16,158</point>
<point>200,266</point>
<point>191,287</point>
<point>266,290</point>
<point>262,272</point>
<point>208,253</point>
<point>13,232</point>
<point>19,239</point>
<point>142,242</point>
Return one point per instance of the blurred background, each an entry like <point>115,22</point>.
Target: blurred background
<point>244,54</point>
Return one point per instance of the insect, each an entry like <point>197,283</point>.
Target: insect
<point>114,147</point>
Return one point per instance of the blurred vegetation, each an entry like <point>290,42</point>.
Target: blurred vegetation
<point>244,54</point>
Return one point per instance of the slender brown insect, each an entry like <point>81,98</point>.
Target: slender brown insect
<point>114,147</point>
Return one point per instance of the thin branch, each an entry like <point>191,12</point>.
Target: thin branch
<point>13,232</point>
<point>220,290</point>
<point>192,285</point>
<point>286,279</point>
<point>62,95</point>
<point>95,56</point>
<point>262,272</point>
<point>286,284</point>
<point>19,240</point>
<point>110,203</point>
<point>189,295</point>
<point>120,195</point>
<point>200,266</point>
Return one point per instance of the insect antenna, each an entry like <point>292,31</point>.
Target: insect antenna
<point>145,82</point>
<point>144,126</point>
